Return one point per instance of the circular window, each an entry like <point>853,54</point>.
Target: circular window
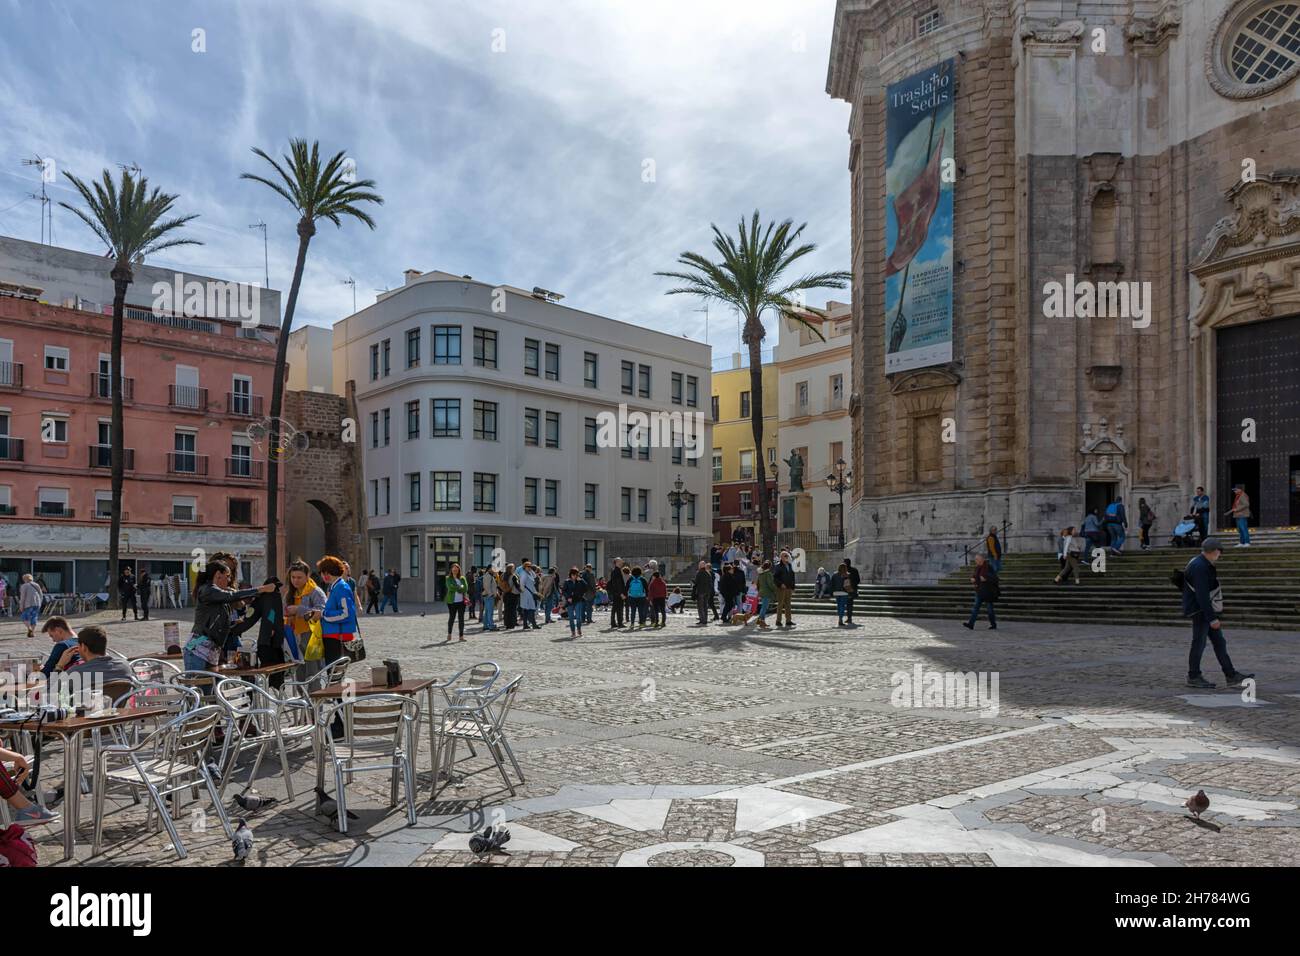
<point>1255,48</point>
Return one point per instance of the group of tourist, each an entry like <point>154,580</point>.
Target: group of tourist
<point>380,593</point>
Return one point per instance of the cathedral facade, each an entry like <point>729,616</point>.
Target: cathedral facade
<point>1076,259</point>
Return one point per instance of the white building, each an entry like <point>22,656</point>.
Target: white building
<point>310,356</point>
<point>487,421</point>
<point>814,379</point>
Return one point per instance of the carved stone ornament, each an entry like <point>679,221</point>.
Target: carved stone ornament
<point>1052,31</point>
<point>1266,209</point>
<point>915,381</point>
<point>1155,30</point>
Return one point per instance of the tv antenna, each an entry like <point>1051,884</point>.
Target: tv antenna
<point>352,282</point>
<point>47,204</point>
<point>266,257</point>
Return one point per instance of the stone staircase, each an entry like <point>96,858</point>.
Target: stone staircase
<point>1261,586</point>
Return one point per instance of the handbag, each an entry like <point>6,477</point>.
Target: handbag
<point>355,649</point>
<point>315,650</point>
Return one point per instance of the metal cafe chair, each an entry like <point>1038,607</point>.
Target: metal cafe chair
<point>152,669</point>
<point>257,720</point>
<point>471,683</point>
<point>164,764</point>
<point>481,719</point>
<point>386,720</point>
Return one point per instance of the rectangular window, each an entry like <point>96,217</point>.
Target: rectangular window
<point>446,418</point>
<point>837,391</point>
<point>446,490</point>
<point>446,345</point>
<point>692,391</point>
<point>485,420</point>
<point>552,361</point>
<point>746,502</point>
<point>184,509</point>
<point>675,393</point>
<point>374,429</point>
<point>625,449</point>
<point>413,556</point>
<point>787,513</point>
<point>690,510</point>
<point>530,496</point>
<point>801,397</point>
<point>589,369</point>
<point>928,22</point>
<point>590,431</point>
<point>413,419</point>
<point>744,404</point>
<point>532,425</point>
<point>643,505</point>
<point>485,348</point>
<point>643,451</point>
<point>52,501</point>
<point>387,489</point>
<point>643,381</point>
<point>590,497</point>
<point>677,449</point>
<point>484,545</point>
<point>56,358</point>
<point>412,348</point>
<point>240,511</point>
<point>591,552</point>
<point>103,504</point>
<point>485,491</point>
<point>374,362</point>
<point>388,421</point>
<point>542,552</point>
<point>717,464</point>
<point>714,407</point>
<point>532,356</point>
<point>771,456</point>
<point>54,430</point>
<point>184,446</point>
<point>717,504</point>
<point>374,497</point>
<point>628,380</point>
<point>552,429</point>
<point>625,498</point>
<point>747,464</point>
<point>552,498</point>
<point>241,457</point>
<point>413,491</point>
<point>386,350</point>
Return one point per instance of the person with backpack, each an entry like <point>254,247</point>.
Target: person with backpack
<point>636,598</point>
<point>985,580</point>
<point>1203,603</point>
<point>1146,519</point>
<point>1116,525</point>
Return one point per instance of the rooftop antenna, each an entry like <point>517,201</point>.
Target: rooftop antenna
<point>133,168</point>
<point>705,310</point>
<point>46,203</point>
<point>352,282</point>
<point>266,258</point>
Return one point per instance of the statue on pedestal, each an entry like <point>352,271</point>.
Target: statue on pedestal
<point>795,464</point>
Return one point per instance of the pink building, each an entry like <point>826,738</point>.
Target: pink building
<point>194,477</point>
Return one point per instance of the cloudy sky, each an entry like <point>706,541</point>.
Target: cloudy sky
<point>511,139</point>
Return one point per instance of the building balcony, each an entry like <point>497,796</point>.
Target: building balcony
<point>187,463</point>
<point>11,374</point>
<point>11,449</point>
<point>47,509</point>
<point>243,406</point>
<point>188,398</point>
<point>8,511</point>
<point>183,517</point>
<point>244,468</point>
<point>101,456</point>
<point>101,388</point>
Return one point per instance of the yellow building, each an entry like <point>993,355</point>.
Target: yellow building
<point>736,495</point>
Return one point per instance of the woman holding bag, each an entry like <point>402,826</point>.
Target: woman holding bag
<point>457,598</point>
<point>303,613</point>
<point>339,617</point>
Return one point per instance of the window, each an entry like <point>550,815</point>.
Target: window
<point>485,420</point>
<point>241,457</point>
<point>532,425</point>
<point>833,516</point>
<point>530,496</point>
<point>591,552</point>
<point>184,509</point>
<point>628,383</point>
<point>589,369</point>
<point>446,345</point>
<point>677,449</point>
<point>54,431</point>
<point>747,464</point>
<point>413,491</point>
<point>446,490</point>
<point>643,505</point>
<point>374,362</point>
<point>590,431</point>
<point>837,391</point>
<point>52,501</point>
<point>717,464</point>
<point>744,404</point>
<point>692,391</point>
<point>552,498</point>
<point>690,510</point>
<point>104,504</point>
<point>771,456</point>
<point>801,397</point>
<point>717,504</point>
<point>240,511</point>
<point>184,459</point>
<point>412,348</point>
<point>446,418</point>
<point>374,429</point>
<point>714,407</point>
<point>485,491</point>
<point>385,349</point>
<point>787,513</point>
<point>374,496</point>
<point>625,449</point>
<point>837,452</point>
<point>928,22</point>
<point>746,502</point>
<point>643,381</point>
<point>413,556</point>
<point>532,350</point>
<point>590,500</point>
<point>485,348</point>
<point>388,421</point>
<point>625,496</point>
<point>552,429</point>
<point>388,497</point>
<point>241,395</point>
<point>552,361</point>
<point>675,393</point>
<point>484,545</point>
<point>542,552</point>
<point>643,450</point>
<point>56,358</point>
<point>413,419</point>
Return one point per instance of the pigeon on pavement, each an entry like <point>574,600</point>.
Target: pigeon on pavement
<point>242,844</point>
<point>1198,804</point>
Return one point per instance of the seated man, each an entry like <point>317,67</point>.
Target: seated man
<point>92,646</point>
<point>65,640</point>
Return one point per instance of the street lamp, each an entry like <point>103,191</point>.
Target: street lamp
<point>678,497</point>
<point>839,481</point>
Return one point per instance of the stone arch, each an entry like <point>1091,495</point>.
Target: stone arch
<point>323,477</point>
<point>330,520</point>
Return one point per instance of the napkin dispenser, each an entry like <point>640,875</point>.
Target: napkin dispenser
<point>378,675</point>
<point>394,672</point>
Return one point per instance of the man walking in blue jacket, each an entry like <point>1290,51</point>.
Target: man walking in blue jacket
<point>1116,525</point>
<point>1203,603</point>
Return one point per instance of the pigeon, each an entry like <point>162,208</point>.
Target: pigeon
<point>328,806</point>
<point>1198,804</point>
<point>252,801</point>
<point>488,842</point>
<point>242,844</point>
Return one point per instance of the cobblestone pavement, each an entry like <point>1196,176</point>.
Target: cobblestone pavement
<point>815,746</point>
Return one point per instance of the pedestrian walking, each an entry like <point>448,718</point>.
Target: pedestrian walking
<point>1116,525</point>
<point>548,591</point>
<point>1146,520</point>
<point>490,588</point>
<point>575,590</point>
<point>767,593</point>
<point>1072,546</point>
<point>126,593</point>
<point>703,591</point>
<point>841,588</point>
<point>475,592</point>
<point>783,578</point>
<point>617,592</point>
<point>856,580</point>
<point>1092,533</point>
<point>306,604</point>
<point>29,603</point>
<point>1240,512</point>
<point>143,593</point>
<point>985,580</point>
<point>730,586</point>
<point>372,593</point>
<point>994,547</point>
<point>1203,603</point>
<point>657,592</point>
<point>389,591</point>
<point>456,595</point>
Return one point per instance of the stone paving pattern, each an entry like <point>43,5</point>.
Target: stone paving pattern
<point>718,746</point>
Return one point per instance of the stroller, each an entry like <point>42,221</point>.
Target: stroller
<point>1187,533</point>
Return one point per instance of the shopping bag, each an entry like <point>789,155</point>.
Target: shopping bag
<point>315,643</point>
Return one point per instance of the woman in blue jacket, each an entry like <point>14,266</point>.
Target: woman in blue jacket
<point>339,619</point>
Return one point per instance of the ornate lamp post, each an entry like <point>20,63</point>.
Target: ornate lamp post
<point>840,481</point>
<point>677,498</point>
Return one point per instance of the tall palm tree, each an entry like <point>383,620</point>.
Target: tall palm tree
<point>748,276</point>
<point>133,223</point>
<point>315,191</point>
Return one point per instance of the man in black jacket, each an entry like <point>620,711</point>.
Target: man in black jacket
<point>703,590</point>
<point>856,578</point>
<point>783,577</point>
<point>1203,603</point>
<point>614,588</point>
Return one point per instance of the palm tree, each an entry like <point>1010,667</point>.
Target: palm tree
<point>315,191</point>
<point>747,276</point>
<point>133,223</point>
